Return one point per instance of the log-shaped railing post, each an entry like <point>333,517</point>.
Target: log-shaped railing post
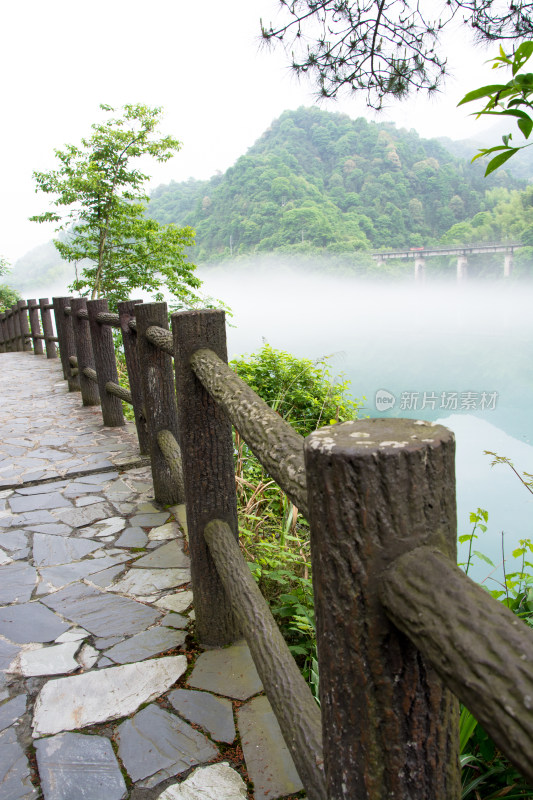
<point>377,489</point>
<point>106,365</point>
<point>24,326</point>
<point>33,308</point>
<point>19,341</point>
<point>207,456</point>
<point>48,328</point>
<point>84,351</point>
<point>67,346</point>
<point>159,397</point>
<point>11,330</point>
<point>3,333</point>
<point>126,312</point>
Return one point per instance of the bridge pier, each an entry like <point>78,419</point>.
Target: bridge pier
<point>420,268</point>
<point>462,268</point>
<point>507,265</point>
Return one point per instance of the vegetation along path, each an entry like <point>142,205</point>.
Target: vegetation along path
<point>103,691</point>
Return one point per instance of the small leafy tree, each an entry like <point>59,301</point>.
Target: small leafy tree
<point>512,99</point>
<point>8,295</point>
<point>101,188</point>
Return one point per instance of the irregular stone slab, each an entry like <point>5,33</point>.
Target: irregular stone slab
<point>75,702</point>
<point>147,508</point>
<point>30,622</point>
<point>36,518</point>
<point>87,500</point>
<point>49,549</point>
<point>106,576</point>
<point>101,613</point>
<point>20,504</point>
<point>57,528</point>
<point>57,577</point>
<point>15,781</point>
<point>175,602</point>
<point>175,621</point>
<point>18,582</point>
<point>12,710</point>
<point>149,520</point>
<point>78,517</point>
<point>268,761</point>
<point>43,488</point>
<point>214,714</point>
<point>72,635</point>
<point>13,540</point>
<point>97,479</point>
<point>229,672</point>
<point>74,765</point>
<point>216,782</point>
<point>157,744</point>
<point>111,526</point>
<point>132,537</point>
<point>163,532</point>
<point>167,556</point>
<point>56,660</point>
<point>8,651</point>
<point>87,656</point>
<point>4,558</point>
<point>146,644</point>
<point>143,582</point>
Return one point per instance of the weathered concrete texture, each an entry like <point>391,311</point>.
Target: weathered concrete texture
<point>70,703</point>
<point>214,714</point>
<point>217,782</point>
<point>155,745</point>
<point>269,763</point>
<point>229,672</point>
<point>72,765</point>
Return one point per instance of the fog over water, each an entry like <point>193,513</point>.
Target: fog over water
<point>459,353</point>
<point>439,338</point>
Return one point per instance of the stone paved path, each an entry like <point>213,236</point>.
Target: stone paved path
<point>104,694</point>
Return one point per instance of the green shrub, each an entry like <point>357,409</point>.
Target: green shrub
<point>300,390</point>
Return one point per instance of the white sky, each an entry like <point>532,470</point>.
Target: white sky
<point>202,62</point>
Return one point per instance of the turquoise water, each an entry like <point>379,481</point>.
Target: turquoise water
<point>461,354</point>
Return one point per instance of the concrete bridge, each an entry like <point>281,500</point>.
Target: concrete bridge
<point>419,254</point>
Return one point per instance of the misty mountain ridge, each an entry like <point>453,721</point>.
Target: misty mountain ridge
<point>318,181</point>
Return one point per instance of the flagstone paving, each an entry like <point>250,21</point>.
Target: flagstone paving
<point>104,693</point>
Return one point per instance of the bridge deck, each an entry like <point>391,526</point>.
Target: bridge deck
<point>96,621</point>
<point>464,250</point>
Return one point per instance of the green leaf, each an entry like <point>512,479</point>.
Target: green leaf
<point>483,91</point>
<point>500,159</point>
<point>483,557</point>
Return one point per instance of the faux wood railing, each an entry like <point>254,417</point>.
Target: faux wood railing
<point>402,633</point>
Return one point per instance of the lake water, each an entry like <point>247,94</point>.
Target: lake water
<point>458,353</point>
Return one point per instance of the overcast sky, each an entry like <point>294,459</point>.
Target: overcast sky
<point>203,62</point>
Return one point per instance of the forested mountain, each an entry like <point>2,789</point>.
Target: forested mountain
<point>322,181</point>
